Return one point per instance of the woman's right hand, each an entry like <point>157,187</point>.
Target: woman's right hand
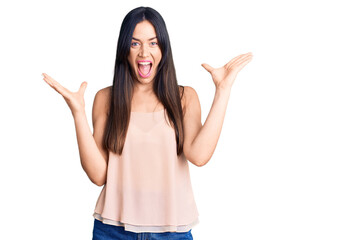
<point>75,100</point>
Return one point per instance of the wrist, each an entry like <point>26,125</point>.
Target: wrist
<point>223,90</point>
<point>79,114</point>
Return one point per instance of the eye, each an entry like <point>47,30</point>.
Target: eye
<point>154,43</point>
<point>134,44</point>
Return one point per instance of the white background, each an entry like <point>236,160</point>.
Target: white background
<point>284,165</point>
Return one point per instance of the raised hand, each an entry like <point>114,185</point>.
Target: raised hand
<point>224,77</point>
<point>75,100</point>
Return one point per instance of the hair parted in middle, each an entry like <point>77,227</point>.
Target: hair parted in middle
<point>165,84</point>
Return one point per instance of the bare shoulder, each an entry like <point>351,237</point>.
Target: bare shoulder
<point>100,113</point>
<point>101,102</point>
<point>105,92</point>
<point>189,97</point>
<point>191,101</point>
<point>192,123</point>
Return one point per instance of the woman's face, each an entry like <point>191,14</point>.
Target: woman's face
<point>145,54</point>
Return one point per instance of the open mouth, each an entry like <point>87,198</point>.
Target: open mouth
<point>144,68</point>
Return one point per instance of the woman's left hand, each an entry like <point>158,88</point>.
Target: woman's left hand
<point>224,77</point>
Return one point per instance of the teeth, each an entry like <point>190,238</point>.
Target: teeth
<point>144,63</point>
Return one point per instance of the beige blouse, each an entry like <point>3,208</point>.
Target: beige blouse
<point>148,187</point>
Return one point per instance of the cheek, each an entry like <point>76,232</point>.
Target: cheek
<point>131,62</point>
<point>158,57</point>
<point>159,61</point>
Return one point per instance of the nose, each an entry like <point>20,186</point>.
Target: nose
<point>144,51</point>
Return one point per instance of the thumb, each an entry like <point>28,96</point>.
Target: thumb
<point>207,67</point>
<point>83,87</point>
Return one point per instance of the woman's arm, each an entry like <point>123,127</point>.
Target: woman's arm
<point>200,141</point>
<point>92,156</point>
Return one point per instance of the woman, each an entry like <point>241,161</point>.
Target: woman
<point>146,128</point>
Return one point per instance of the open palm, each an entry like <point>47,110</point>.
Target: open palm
<point>224,77</point>
<point>75,100</point>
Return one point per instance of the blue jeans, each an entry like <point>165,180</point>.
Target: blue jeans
<point>104,231</point>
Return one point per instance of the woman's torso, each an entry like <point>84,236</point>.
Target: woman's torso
<point>148,187</point>
<point>176,192</point>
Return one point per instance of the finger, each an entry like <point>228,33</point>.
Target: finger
<point>59,88</point>
<point>233,60</point>
<point>83,87</point>
<point>49,82</point>
<point>237,67</point>
<point>207,67</point>
<point>50,79</point>
<point>241,60</point>
<point>52,86</point>
<point>237,58</point>
<point>45,79</point>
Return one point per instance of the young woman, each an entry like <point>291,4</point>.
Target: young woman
<point>146,128</point>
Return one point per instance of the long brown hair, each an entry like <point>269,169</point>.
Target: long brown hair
<point>165,84</point>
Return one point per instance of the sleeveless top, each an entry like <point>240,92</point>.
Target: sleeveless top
<point>148,187</point>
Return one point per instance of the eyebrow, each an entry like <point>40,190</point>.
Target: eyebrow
<point>140,40</point>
